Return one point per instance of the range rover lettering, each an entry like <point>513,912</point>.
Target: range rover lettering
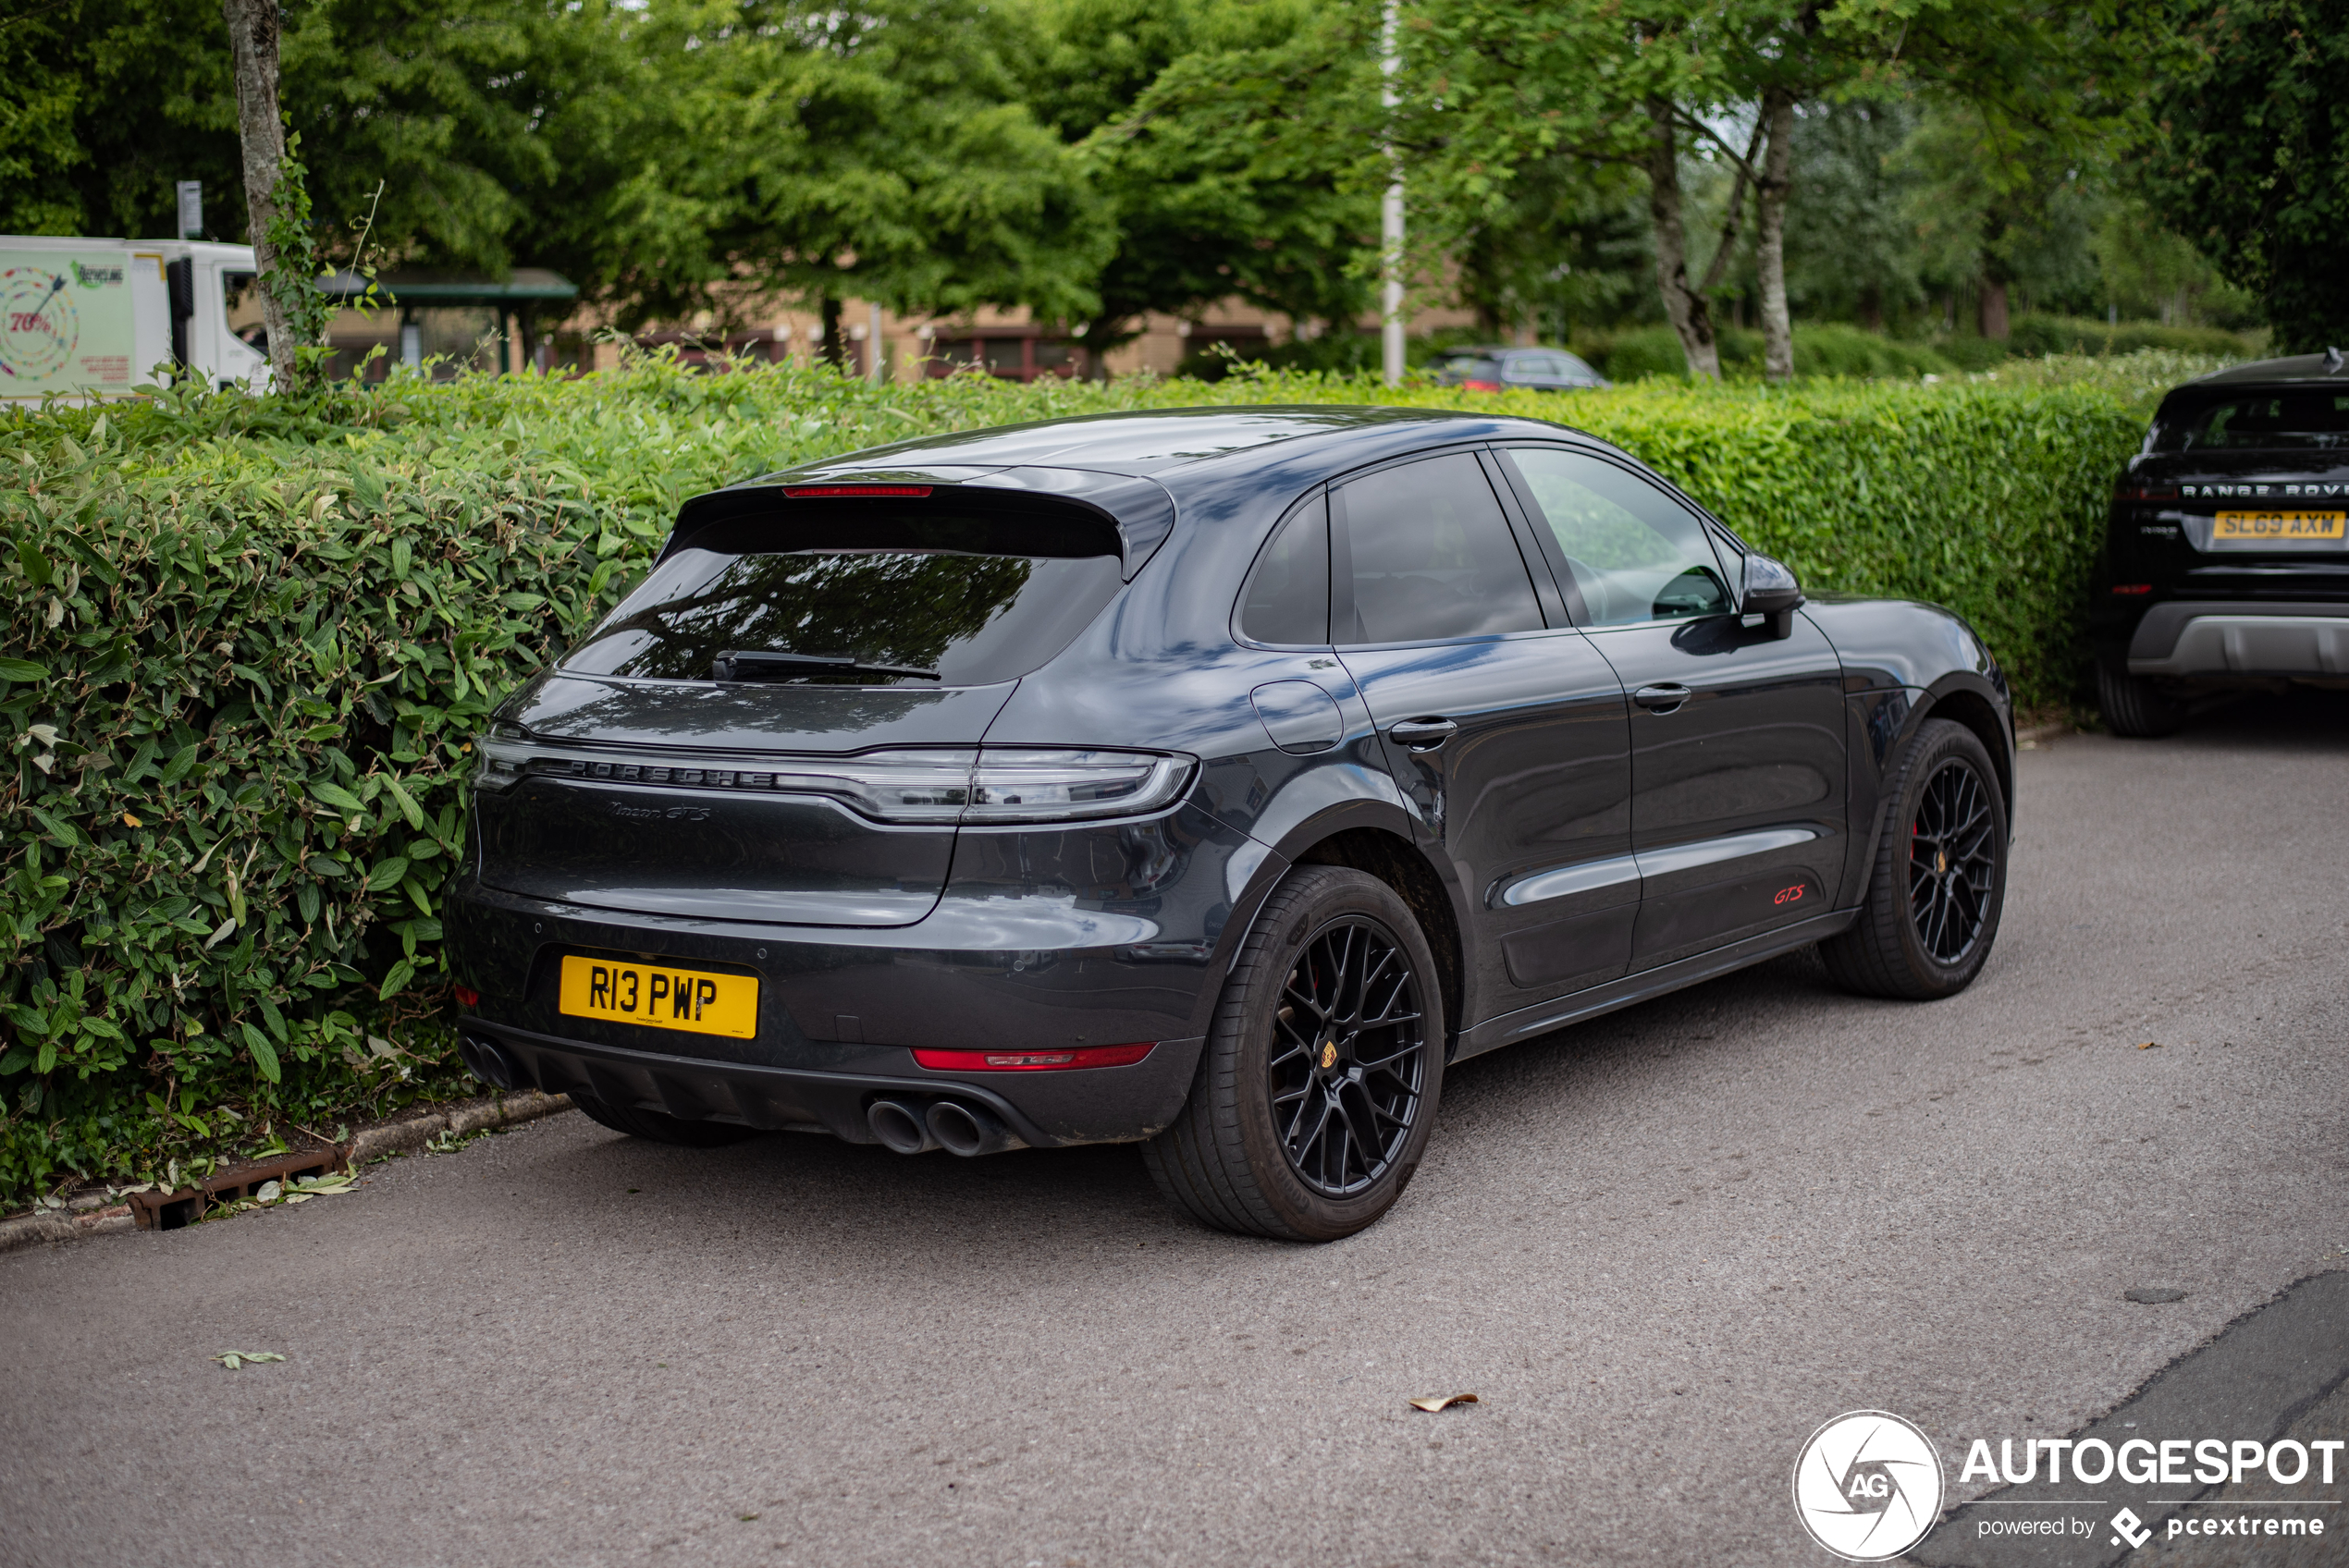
<point>1212,780</point>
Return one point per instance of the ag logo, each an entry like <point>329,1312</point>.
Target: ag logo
<point>1867,1486</point>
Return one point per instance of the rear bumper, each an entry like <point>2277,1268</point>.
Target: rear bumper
<point>1045,1109</point>
<point>2206,638</point>
<point>1041,940</point>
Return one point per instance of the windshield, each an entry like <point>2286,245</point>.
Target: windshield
<point>2260,421</point>
<point>882,615</point>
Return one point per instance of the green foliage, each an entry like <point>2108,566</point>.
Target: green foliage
<point>2251,158</point>
<point>2041,335</point>
<point>1829,349</point>
<point>248,643</point>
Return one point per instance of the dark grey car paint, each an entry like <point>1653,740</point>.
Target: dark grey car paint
<point>1101,933</point>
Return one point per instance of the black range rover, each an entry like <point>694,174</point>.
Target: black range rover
<point>2226,561</point>
<point>1206,779</point>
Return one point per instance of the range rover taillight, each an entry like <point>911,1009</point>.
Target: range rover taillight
<point>2128,491</point>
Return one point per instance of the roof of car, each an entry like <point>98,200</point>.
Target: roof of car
<point>1137,468</point>
<point>1152,442</point>
<point>2332,365</point>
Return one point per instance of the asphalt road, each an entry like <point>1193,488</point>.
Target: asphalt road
<point>1663,1248</point>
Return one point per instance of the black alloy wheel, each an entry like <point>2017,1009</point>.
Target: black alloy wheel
<point>1317,1086</point>
<point>1952,861</point>
<point>1938,879</point>
<point>1345,1068</point>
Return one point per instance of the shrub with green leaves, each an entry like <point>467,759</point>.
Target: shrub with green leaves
<point>247,646</point>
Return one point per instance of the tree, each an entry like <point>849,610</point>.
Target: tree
<point>260,135</point>
<point>1217,134</point>
<point>104,107</point>
<point>882,153</point>
<point>2250,155</point>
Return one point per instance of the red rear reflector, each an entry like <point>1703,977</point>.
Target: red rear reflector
<point>2126,492</point>
<point>2133,587</point>
<point>814,492</point>
<point>1034,1061</point>
<point>467,997</point>
<point>1481,385</point>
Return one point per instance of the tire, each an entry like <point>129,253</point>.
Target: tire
<point>2136,707</point>
<point>1310,1134</point>
<point>659,1127</point>
<point>1939,877</point>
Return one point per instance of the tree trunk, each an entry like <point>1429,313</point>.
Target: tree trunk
<point>1691,315</point>
<point>833,349</point>
<point>253,38</point>
<point>1776,182</point>
<point>1992,310</point>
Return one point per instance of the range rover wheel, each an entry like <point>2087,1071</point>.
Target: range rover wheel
<point>1939,878</point>
<point>1317,1089</point>
<point>659,1127</point>
<point>2136,707</point>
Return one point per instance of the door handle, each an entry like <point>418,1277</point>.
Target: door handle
<point>1661,699</point>
<point>1422,734</point>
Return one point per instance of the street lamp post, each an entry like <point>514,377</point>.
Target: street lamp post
<point>1391,212</point>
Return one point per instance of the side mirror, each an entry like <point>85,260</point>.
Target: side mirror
<point>1771,590</point>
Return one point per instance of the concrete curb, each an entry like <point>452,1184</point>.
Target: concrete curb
<point>93,1215</point>
<point>415,1132</point>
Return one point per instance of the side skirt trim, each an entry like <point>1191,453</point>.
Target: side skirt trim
<point>1632,990</point>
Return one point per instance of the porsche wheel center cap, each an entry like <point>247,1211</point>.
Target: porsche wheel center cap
<point>1329,1055</point>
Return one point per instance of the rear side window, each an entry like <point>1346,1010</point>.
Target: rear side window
<point>1287,599</point>
<point>1428,553</point>
<point>2259,421</point>
<point>1634,553</point>
<point>858,597</point>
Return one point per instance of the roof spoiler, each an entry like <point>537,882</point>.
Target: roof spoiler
<point>1140,509</point>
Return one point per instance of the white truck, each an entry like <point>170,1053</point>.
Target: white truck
<point>86,319</point>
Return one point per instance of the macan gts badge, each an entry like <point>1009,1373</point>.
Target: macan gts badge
<point>1210,781</point>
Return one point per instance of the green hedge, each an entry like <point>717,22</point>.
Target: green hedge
<point>1829,349</point>
<point>2038,336</point>
<point>248,644</point>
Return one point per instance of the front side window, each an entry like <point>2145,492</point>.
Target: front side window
<point>1636,554</point>
<point>860,603</point>
<point>1431,555</point>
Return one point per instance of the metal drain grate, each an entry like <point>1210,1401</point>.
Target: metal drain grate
<point>169,1211</point>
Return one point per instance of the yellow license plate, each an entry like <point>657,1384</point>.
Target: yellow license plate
<point>2277,528</point>
<point>660,996</point>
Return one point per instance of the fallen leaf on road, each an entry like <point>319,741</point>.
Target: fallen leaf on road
<point>232,1359</point>
<point>1433,1404</point>
<point>315,1186</point>
<point>2150,1046</point>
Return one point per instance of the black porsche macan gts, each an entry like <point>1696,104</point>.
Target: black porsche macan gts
<point>1208,780</point>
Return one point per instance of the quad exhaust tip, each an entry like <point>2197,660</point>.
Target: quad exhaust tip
<point>488,1063</point>
<point>969,1130</point>
<point>900,1126</point>
<point>917,1127</point>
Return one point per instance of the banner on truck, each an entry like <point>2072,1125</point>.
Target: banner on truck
<point>65,322</point>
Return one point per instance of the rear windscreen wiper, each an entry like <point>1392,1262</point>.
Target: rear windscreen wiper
<point>734,665</point>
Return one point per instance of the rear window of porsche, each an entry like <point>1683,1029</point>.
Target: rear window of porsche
<point>859,597</point>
